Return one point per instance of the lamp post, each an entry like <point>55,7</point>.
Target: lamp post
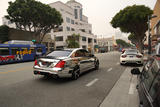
<point>149,35</point>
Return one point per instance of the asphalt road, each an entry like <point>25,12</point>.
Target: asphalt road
<point>20,88</point>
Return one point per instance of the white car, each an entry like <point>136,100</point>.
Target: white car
<point>131,56</point>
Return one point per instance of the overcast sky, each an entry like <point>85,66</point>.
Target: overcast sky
<point>99,12</point>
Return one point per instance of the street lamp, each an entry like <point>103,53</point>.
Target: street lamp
<point>149,35</point>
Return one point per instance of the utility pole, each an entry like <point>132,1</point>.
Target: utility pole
<point>149,35</point>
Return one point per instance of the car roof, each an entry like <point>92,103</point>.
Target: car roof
<point>72,48</point>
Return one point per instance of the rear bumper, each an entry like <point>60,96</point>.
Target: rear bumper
<point>136,61</point>
<point>57,73</point>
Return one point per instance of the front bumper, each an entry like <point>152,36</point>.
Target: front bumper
<point>57,72</point>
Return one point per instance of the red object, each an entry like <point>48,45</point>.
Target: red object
<point>60,64</point>
<point>36,63</point>
<point>123,50</point>
<point>123,56</point>
<point>138,56</point>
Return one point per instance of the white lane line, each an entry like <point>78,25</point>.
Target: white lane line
<point>131,88</point>
<point>117,63</point>
<point>109,69</point>
<point>92,82</point>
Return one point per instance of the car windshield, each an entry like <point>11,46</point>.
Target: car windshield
<point>131,52</point>
<point>60,53</point>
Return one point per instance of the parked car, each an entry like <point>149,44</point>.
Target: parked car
<point>149,83</point>
<point>131,56</point>
<point>66,63</point>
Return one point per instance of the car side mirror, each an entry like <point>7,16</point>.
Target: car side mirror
<point>135,71</point>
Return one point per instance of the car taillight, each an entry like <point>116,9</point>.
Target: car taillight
<point>123,56</point>
<point>36,63</point>
<point>60,64</point>
<point>138,56</point>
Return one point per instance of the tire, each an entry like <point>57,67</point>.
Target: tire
<point>76,73</point>
<point>121,64</point>
<point>96,66</point>
<point>46,76</point>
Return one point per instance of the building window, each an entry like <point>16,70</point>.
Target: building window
<point>84,46</point>
<point>83,30</point>
<point>68,20</point>
<point>95,41</point>
<point>76,13</point>
<point>59,29</point>
<point>68,28</point>
<point>60,38</point>
<point>89,40</point>
<point>59,47</point>
<point>80,13</point>
<point>90,32</point>
<point>72,21</point>
<point>83,38</point>
<point>72,29</point>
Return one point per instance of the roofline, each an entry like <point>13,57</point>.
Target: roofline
<point>74,1</point>
<point>61,3</point>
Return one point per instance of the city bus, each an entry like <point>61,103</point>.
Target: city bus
<point>13,52</point>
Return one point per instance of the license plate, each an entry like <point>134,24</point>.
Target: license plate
<point>131,56</point>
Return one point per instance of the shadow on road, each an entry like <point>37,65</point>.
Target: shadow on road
<point>55,80</point>
<point>132,65</point>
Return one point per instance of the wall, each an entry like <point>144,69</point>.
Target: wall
<point>156,11</point>
<point>20,35</point>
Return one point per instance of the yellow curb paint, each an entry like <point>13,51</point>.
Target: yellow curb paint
<point>15,70</point>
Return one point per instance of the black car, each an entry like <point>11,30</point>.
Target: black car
<point>149,83</point>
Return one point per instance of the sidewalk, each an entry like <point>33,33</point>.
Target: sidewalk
<point>124,93</point>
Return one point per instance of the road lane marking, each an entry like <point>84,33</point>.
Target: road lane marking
<point>92,82</point>
<point>16,70</point>
<point>117,63</point>
<point>109,69</point>
<point>131,88</point>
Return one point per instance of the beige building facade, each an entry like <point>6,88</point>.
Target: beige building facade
<point>155,22</point>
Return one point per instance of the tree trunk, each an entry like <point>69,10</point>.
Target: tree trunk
<point>140,45</point>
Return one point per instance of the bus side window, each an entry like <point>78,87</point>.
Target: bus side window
<point>32,50</point>
<point>15,51</point>
<point>24,51</point>
<point>4,51</point>
<point>39,50</point>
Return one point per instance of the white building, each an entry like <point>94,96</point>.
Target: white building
<point>8,23</point>
<point>106,43</point>
<point>74,22</point>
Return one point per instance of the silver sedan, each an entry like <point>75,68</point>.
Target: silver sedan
<point>131,56</point>
<point>66,63</point>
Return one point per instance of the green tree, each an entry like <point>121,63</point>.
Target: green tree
<point>73,41</point>
<point>4,33</point>
<point>132,38</point>
<point>133,19</point>
<point>31,15</point>
<point>122,43</point>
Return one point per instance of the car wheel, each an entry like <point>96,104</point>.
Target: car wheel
<point>46,76</point>
<point>76,74</point>
<point>96,65</point>
<point>121,64</point>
